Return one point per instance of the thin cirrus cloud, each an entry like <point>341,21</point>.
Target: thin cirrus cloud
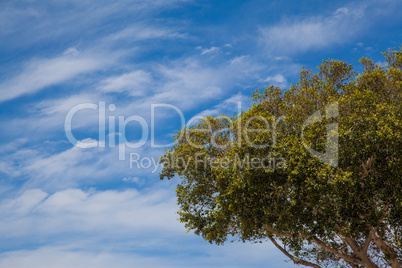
<point>126,227</point>
<point>41,73</point>
<point>209,50</point>
<point>192,81</point>
<point>231,106</point>
<point>78,211</point>
<point>76,166</point>
<point>64,206</point>
<point>313,32</point>
<point>184,83</point>
<point>35,21</point>
<point>140,32</point>
<point>135,83</point>
<point>66,256</point>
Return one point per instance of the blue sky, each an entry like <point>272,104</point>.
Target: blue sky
<point>62,205</point>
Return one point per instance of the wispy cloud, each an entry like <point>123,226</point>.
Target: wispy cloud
<point>28,22</point>
<point>177,255</point>
<point>85,166</point>
<point>209,50</point>
<point>38,74</point>
<point>315,32</point>
<point>78,211</point>
<point>173,256</point>
<point>186,83</point>
<point>51,167</point>
<point>102,228</point>
<point>139,32</point>
<point>277,80</point>
<point>135,83</point>
<point>191,81</point>
<point>64,206</point>
<point>229,107</point>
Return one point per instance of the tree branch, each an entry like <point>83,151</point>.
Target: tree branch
<point>293,258</point>
<point>388,251</point>
<point>361,252</point>
<point>366,244</point>
<point>347,258</point>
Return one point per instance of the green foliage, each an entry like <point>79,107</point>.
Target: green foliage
<point>251,177</point>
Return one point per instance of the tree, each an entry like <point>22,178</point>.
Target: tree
<point>316,168</point>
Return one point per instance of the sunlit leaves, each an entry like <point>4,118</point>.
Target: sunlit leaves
<point>253,170</point>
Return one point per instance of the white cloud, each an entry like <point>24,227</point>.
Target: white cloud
<point>74,166</point>
<point>24,203</point>
<point>55,257</point>
<point>140,32</point>
<point>209,50</point>
<point>8,169</point>
<point>41,73</point>
<point>176,256</point>
<point>313,32</point>
<point>63,105</point>
<point>277,80</point>
<point>136,180</point>
<point>135,83</point>
<point>189,82</point>
<point>129,212</point>
<point>229,107</point>
<point>23,24</point>
<point>112,229</point>
<point>186,83</point>
<point>47,117</point>
<point>64,169</point>
<point>13,145</point>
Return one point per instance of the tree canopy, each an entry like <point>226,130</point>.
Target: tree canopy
<point>316,168</point>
